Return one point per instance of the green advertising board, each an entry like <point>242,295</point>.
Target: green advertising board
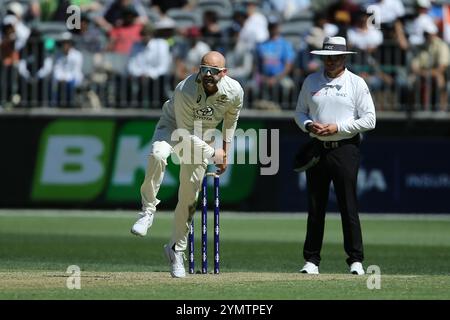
<point>105,160</point>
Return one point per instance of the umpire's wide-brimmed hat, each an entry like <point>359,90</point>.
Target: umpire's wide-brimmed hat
<point>333,46</point>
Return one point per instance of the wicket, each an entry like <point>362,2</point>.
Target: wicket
<point>204,220</point>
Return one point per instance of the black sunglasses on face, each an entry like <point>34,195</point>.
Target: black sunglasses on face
<point>213,70</point>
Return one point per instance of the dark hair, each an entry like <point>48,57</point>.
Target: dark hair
<point>210,15</point>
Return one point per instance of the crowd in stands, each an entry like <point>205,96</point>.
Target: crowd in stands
<point>132,53</point>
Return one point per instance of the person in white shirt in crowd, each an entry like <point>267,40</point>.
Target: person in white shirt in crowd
<point>365,37</point>
<point>14,15</point>
<point>334,107</point>
<point>388,11</point>
<point>150,61</point>
<point>199,103</point>
<point>388,15</point>
<point>67,71</point>
<point>69,62</point>
<point>255,28</point>
<point>422,22</point>
<point>150,57</point>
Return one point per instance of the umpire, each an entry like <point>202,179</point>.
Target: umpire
<point>334,107</point>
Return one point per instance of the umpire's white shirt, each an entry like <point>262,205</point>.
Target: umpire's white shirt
<point>345,101</point>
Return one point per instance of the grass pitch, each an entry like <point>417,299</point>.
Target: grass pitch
<point>260,258</point>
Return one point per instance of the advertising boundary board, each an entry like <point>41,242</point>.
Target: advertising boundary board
<point>99,162</point>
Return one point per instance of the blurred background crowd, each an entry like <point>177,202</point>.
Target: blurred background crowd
<point>132,53</point>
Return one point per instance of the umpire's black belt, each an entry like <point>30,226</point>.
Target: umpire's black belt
<point>339,143</point>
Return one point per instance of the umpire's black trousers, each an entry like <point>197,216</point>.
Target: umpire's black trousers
<point>338,163</point>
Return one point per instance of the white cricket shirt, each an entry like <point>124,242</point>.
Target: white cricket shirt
<point>189,105</point>
<point>345,101</point>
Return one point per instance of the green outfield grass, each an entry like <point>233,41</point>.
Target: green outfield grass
<point>260,258</point>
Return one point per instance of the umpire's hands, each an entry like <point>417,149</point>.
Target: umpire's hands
<point>328,130</point>
<point>323,129</point>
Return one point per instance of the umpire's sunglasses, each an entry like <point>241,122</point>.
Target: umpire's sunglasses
<point>213,70</point>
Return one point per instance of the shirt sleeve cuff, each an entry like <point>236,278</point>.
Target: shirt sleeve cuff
<point>305,124</point>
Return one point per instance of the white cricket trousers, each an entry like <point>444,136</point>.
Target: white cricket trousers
<point>191,177</point>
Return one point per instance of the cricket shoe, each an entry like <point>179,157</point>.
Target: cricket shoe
<point>144,222</point>
<point>176,260</point>
<point>357,268</point>
<point>310,268</point>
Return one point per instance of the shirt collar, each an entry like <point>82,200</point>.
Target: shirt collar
<point>326,79</point>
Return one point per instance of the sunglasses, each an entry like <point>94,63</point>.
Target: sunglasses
<point>213,70</point>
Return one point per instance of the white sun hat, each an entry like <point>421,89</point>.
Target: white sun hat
<point>333,46</point>
<point>16,8</point>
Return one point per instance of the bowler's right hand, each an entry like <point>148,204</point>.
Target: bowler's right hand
<point>220,160</point>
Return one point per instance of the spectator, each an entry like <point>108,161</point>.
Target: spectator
<point>8,51</point>
<point>165,28</point>
<point>67,71</point>
<point>239,58</point>
<point>389,11</point>
<point>366,38</point>
<point>149,64</point>
<point>286,8</point>
<point>122,37</point>
<point>306,62</point>
<point>239,16</point>
<point>35,67</point>
<point>422,22</point>
<point>391,14</point>
<point>274,60</point>
<point>50,10</point>
<point>15,12</point>
<point>429,68</point>
<point>341,14</point>
<point>89,38</point>
<point>9,59</point>
<point>212,34</point>
<point>189,54</point>
<point>254,29</point>
<point>162,6</point>
<point>150,57</point>
<point>112,15</point>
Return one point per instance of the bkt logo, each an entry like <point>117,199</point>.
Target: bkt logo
<point>80,160</point>
<point>205,112</point>
<point>90,160</point>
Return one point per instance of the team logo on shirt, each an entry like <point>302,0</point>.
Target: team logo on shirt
<point>205,113</point>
